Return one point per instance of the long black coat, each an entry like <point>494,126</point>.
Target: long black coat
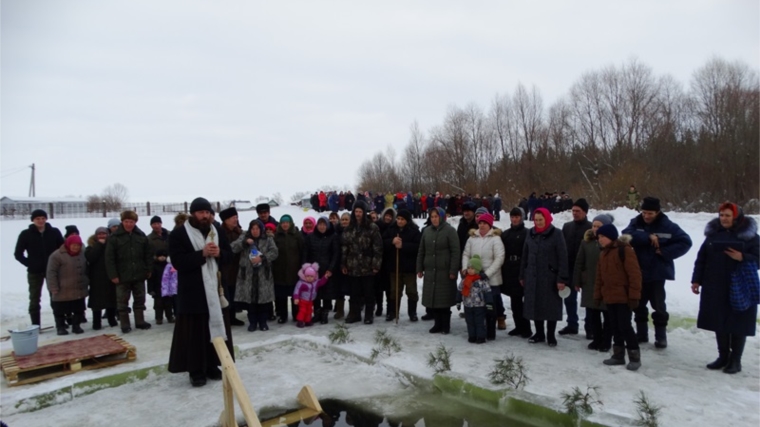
<point>191,296</point>
<point>323,248</point>
<point>463,231</point>
<point>573,232</point>
<point>407,256</point>
<point>513,239</point>
<point>543,265</point>
<point>102,290</point>
<point>712,270</point>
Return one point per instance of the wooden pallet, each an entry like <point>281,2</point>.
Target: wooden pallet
<point>66,358</point>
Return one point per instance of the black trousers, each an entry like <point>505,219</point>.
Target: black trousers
<point>516,294</point>
<point>362,290</point>
<point>623,334</point>
<point>602,331</point>
<point>653,293</point>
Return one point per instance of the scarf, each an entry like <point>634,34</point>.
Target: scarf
<point>467,283</point>
<point>210,282</point>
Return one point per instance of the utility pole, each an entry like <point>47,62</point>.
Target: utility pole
<point>32,192</point>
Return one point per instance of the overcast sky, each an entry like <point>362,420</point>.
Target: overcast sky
<point>236,99</point>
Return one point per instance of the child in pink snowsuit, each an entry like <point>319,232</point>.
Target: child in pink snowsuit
<point>306,292</point>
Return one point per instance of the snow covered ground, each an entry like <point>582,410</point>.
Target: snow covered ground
<point>275,364</point>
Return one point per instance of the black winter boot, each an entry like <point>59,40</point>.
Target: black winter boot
<point>412,309</point>
<point>438,321</point>
<point>324,316</point>
<point>97,323</point>
<point>660,337</point>
<point>429,315</point>
<point>60,325</point>
<point>140,322</point>
<point>737,348</point>
<point>539,336</point>
<point>368,318</point>
<point>124,320</point>
<point>490,326</point>
<point>35,318</point>
<point>551,326</point>
<point>339,314</point>
<point>618,356</point>
<point>724,352</point>
<point>111,315</point>
<point>642,332</point>
<point>446,321</point>
<point>353,312</point>
<point>76,320</point>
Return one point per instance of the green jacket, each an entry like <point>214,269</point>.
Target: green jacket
<point>129,256</point>
<point>290,248</point>
<point>438,257</point>
<point>633,199</point>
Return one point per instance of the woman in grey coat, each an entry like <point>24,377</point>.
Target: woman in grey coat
<point>543,272</point>
<point>438,263</point>
<point>255,284</point>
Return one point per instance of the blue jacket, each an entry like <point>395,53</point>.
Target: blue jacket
<point>333,201</point>
<point>674,243</point>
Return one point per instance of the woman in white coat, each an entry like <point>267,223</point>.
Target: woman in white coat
<point>486,242</point>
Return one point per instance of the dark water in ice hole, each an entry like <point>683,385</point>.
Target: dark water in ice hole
<point>412,410</point>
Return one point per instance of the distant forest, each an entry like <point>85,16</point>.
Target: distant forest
<point>692,147</point>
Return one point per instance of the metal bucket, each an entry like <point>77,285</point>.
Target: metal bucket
<point>25,340</point>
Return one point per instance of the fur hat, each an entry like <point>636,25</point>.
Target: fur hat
<point>200,204</point>
<point>228,213</point>
<point>129,215</point>
<point>114,222</point>
<point>180,219</point>
<point>582,203</point>
<point>487,218</point>
<point>650,204</point>
<point>38,212</point>
<point>476,263</point>
<point>609,231</point>
<point>156,219</point>
<point>604,219</point>
<point>262,207</point>
<point>308,270</point>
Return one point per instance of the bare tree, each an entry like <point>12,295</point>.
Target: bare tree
<point>115,196</point>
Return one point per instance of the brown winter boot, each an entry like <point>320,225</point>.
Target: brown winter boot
<point>501,323</point>
<point>140,322</point>
<point>126,327</point>
<point>618,356</point>
<point>339,309</point>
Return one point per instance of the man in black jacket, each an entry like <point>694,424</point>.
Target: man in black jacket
<point>38,241</point>
<point>573,233</point>
<point>402,240</point>
<point>513,239</point>
<point>466,223</point>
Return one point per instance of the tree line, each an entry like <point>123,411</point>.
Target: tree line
<point>692,147</point>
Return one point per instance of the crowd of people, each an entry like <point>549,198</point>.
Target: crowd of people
<point>205,272</point>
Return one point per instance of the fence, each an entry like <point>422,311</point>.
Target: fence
<point>22,210</point>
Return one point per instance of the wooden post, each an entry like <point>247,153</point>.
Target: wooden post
<point>51,209</point>
<point>228,416</point>
<point>229,370</point>
<point>148,205</point>
<point>185,211</point>
<point>105,211</point>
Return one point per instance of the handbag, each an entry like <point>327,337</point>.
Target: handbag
<point>744,291</point>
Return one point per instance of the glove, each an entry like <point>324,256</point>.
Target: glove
<point>483,275</point>
<point>633,304</point>
<point>489,307</point>
<point>459,306</point>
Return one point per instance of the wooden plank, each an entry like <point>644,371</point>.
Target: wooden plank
<point>291,418</point>
<point>230,370</point>
<point>229,403</point>
<point>308,398</point>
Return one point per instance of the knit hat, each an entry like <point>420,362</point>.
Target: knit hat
<point>270,226</point>
<point>200,204</point>
<point>517,212</point>
<point>604,219</point>
<point>72,240</point>
<point>468,206</point>
<point>308,270</point>
<point>650,204</point>
<point>609,231</point>
<point>38,212</point>
<point>582,203</point>
<point>480,211</point>
<point>476,263</point>
<point>155,219</point>
<point>228,213</point>
<point>71,229</point>
<point>129,215</point>
<point>114,222</point>
<point>286,218</point>
<point>262,207</point>
<point>101,230</point>
<point>487,218</point>
<point>403,213</point>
